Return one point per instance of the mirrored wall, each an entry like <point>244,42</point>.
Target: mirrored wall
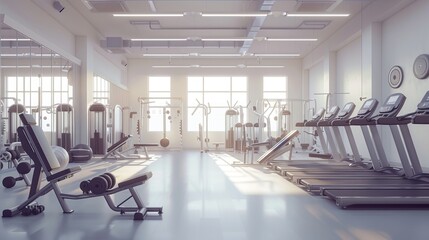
<point>38,81</point>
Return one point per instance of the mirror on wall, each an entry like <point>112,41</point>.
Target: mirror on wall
<point>38,81</point>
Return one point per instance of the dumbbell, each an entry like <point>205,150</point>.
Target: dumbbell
<point>99,184</point>
<point>32,210</point>
<point>22,168</point>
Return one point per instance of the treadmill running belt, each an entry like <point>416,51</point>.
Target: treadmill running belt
<point>348,197</point>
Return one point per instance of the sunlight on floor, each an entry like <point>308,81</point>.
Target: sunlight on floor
<point>252,179</point>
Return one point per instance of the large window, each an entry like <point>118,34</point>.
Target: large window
<point>101,90</point>
<point>275,90</point>
<point>218,92</point>
<point>36,91</point>
<point>158,105</point>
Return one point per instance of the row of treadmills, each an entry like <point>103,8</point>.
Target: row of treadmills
<point>347,178</point>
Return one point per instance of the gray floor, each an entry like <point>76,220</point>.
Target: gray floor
<point>205,197</point>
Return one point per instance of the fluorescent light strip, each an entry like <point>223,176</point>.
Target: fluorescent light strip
<point>158,39</point>
<point>165,55</point>
<point>214,66</point>
<point>231,66</point>
<point>265,66</point>
<point>15,39</point>
<point>168,66</point>
<point>151,15</point>
<point>235,14</point>
<point>276,55</point>
<point>226,39</point>
<point>317,15</point>
<point>220,55</point>
<point>222,39</point>
<point>291,39</point>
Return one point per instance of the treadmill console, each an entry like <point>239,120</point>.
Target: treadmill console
<point>316,117</point>
<point>332,113</point>
<point>392,105</point>
<point>347,111</point>
<point>423,106</point>
<point>368,108</point>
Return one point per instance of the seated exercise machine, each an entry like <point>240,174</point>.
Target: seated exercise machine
<point>37,147</point>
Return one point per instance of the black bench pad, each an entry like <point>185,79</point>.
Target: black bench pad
<point>146,145</point>
<point>63,173</point>
<point>142,178</point>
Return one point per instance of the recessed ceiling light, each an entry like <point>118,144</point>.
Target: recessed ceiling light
<point>317,15</point>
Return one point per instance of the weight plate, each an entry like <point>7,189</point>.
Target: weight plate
<point>421,66</point>
<point>112,177</point>
<point>98,185</point>
<point>109,181</point>
<point>395,77</point>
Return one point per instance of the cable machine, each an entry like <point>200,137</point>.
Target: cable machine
<point>97,128</point>
<point>64,126</point>
<point>231,119</point>
<point>169,110</point>
<point>204,126</point>
<point>14,122</point>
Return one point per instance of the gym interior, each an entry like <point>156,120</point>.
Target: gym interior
<point>214,119</point>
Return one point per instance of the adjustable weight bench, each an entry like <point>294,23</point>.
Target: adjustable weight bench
<point>114,149</point>
<point>37,147</point>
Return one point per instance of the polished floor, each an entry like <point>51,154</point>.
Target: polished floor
<point>205,197</point>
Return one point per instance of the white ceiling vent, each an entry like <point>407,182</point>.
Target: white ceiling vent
<point>106,6</point>
<point>313,5</point>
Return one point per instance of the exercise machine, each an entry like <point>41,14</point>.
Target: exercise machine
<point>64,126</point>
<point>36,145</point>
<point>98,128</point>
<point>413,191</point>
<point>203,128</point>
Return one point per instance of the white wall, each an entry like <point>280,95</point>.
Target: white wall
<point>352,58</point>
<point>317,84</point>
<point>139,70</point>
<point>405,36</point>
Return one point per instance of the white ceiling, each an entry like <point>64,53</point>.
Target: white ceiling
<point>195,26</point>
<point>217,27</point>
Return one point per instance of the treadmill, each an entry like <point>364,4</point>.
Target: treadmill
<point>357,168</point>
<point>412,168</point>
<point>412,195</point>
<point>281,165</point>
